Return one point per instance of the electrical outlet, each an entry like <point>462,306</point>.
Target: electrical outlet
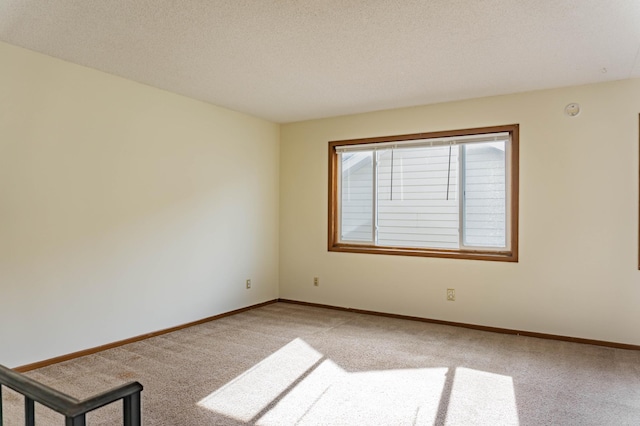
<point>451,294</point>
<point>316,281</point>
<point>248,283</point>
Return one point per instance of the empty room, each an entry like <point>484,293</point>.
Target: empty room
<point>288,212</point>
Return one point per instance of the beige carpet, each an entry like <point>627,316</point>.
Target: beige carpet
<point>286,364</point>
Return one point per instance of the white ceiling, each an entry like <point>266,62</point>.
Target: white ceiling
<point>290,60</point>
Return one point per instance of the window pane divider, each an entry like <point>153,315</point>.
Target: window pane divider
<point>463,195</point>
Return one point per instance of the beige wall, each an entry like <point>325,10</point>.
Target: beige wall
<point>124,209</point>
<point>577,274</point>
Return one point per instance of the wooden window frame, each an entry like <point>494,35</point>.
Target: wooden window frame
<point>510,255</point>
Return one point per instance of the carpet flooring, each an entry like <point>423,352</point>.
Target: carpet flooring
<point>286,364</point>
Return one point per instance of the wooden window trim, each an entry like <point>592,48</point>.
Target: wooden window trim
<point>503,256</point>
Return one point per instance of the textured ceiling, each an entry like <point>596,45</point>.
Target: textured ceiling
<point>290,60</point>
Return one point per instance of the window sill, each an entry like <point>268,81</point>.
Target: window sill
<point>497,256</point>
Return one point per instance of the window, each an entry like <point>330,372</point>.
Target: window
<point>445,194</point>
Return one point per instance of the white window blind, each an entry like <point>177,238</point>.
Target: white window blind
<point>445,193</point>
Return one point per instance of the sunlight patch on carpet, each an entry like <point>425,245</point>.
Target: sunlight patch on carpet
<point>298,385</point>
<point>331,395</point>
<point>248,394</point>
<point>325,393</point>
<point>482,398</point>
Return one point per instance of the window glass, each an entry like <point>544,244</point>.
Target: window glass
<point>485,201</point>
<point>357,201</point>
<point>418,197</point>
